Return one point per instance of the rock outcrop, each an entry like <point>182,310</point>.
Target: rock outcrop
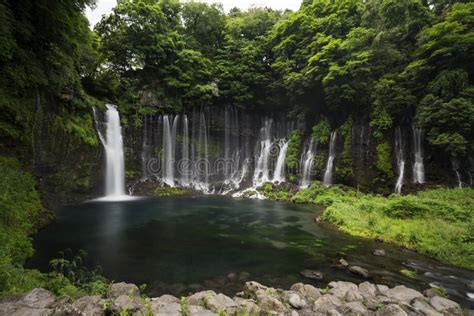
<point>340,298</point>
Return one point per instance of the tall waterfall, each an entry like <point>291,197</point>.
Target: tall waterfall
<point>114,158</point>
<point>279,174</point>
<point>307,160</point>
<point>400,159</point>
<point>184,167</point>
<point>328,174</point>
<point>167,155</point>
<point>418,167</point>
<point>262,172</point>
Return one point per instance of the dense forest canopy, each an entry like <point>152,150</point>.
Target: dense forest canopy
<point>387,62</point>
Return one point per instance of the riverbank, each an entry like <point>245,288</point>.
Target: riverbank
<point>438,223</point>
<point>339,298</point>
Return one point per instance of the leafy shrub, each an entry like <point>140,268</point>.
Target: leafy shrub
<point>383,159</point>
<point>322,132</point>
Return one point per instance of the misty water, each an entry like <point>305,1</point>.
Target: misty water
<point>188,244</point>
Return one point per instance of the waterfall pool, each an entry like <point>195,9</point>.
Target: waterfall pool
<point>188,244</point>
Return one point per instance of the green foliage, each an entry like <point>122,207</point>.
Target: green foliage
<point>293,153</point>
<point>322,132</point>
<point>384,163</point>
<point>438,223</point>
<point>171,191</point>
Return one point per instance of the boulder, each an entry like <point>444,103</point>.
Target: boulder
<point>37,298</point>
<point>367,289</point>
<point>379,253</point>
<point>307,291</point>
<point>333,312</point>
<point>312,274</point>
<point>194,310</point>
<point>294,299</point>
<point>373,303</point>
<point>163,300</point>
<point>122,288</point>
<point>381,289</point>
<point>172,309</point>
<point>199,298</point>
<point>402,293</point>
<point>221,302</point>
<point>391,310</point>
<point>422,306</point>
<point>343,262</point>
<point>353,295</point>
<point>89,305</point>
<point>325,303</point>
<point>131,304</point>
<point>269,301</point>
<point>354,308</point>
<point>66,310</point>
<point>445,306</point>
<point>359,271</point>
<point>251,288</point>
<point>340,288</point>
<point>246,306</point>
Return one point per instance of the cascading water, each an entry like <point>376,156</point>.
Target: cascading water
<point>418,166</point>
<point>167,158</point>
<point>328,174</point>
<point>114,158</point>
<point>262,173</point>
<point>307,163</point>
<point>455,164</point>
<point>185,164</point>
<point>400,160</point>
<point>279,174</point>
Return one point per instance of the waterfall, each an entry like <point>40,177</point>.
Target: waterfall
<point>114,158</point>
<point>279,174</point>
<point>184,166</point>
<point>203,155</point>
<point>307,160</point>
<point>400,160</point>
<point>418,167</point>
<point>455,164</point>
<point>261,173</point>
<point>167,154</point>
<point>328,174</point>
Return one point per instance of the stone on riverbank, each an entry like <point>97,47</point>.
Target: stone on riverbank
<point>342,298</point>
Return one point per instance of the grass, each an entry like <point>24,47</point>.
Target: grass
<point>438,223</point>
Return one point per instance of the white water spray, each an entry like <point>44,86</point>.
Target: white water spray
<point>279,174</point>
<point>307,163</point>
<point>261,174</point>
<point>114,158</point>
<point>418,166</point>
<point>400,160</point>
<point>328,174</point>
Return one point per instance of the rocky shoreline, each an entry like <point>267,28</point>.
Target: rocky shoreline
<point>339,298</point>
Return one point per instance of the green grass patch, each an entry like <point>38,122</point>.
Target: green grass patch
<point>438,223</point>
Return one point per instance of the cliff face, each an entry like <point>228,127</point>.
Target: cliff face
<point>227,145</point>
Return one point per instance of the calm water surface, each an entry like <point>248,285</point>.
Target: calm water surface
<point>182,245</point>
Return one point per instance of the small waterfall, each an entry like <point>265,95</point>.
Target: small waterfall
<point>184,166</point>
<point>455,164</point>
<point>328,174</point>
<point>279,174</point>
<point>114,158</point>
<point>400,160</point>
<point>261,173</point>
<point>307,163</point>
<point>167,155</point>
<point>203,155</point>
<point>418,167</point>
